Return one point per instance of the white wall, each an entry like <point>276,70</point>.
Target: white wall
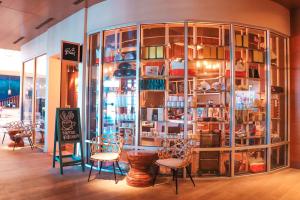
<point>35,47</point>
<point>70,29</point>
<point>263,13</point>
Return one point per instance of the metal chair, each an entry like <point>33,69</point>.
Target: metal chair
<point>106,149</point>
<point>175,156</point>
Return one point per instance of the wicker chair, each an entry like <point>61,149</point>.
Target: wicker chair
<point>175,156</point>
<point>26,132</point>
<point>11,125</point>
<point>106,149</point>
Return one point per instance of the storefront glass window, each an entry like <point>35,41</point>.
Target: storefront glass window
<point>190,86</point>
<point>28,91</point>
<point>41,67</point>
<point>94,86</point>
<point>119,83</point>
<point>250,86</point>
<point>278,104</point>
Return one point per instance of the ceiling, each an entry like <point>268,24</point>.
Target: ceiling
<point>19,18</point>
<point>290,4</point>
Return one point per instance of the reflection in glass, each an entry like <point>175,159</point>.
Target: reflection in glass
<point>209,85</point>
<point>41,67</point>
<point>278,157</point>
<point>93,87</point>
<point>250,84</point>
<point>119,83</point>
<point>28,91</point>
<point>161,83</point>
<point>278,89</point>
<point>250,161</point>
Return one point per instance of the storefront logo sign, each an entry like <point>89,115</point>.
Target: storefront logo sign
<point>70,51</point>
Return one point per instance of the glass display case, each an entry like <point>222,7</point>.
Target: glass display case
<point>223,86</point>
<point>119,83</point>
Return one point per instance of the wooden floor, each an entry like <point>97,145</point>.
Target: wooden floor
<point>26,174</point>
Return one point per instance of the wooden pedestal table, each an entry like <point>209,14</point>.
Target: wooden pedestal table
<point>140,162</point>
<point>15,142</point>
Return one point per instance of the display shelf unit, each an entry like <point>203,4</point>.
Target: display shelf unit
<point>209,82</point>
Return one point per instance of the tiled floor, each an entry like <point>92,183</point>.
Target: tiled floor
<point>26,174</point>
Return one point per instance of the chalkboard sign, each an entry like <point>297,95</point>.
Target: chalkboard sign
<point>68,130</point>
<point>70,51</point>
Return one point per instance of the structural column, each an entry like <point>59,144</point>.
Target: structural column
<point>295,89</point>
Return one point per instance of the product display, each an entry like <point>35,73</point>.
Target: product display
<point>153,52</point>
<point>193,92</point>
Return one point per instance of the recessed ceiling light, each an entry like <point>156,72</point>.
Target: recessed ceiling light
<point>18,40</point>
<point>44,23</point>
<point>77,2</point>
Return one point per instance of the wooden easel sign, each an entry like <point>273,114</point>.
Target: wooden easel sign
<point>67,131</point>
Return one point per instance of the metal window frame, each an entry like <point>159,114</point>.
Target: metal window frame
<point>232,148</point>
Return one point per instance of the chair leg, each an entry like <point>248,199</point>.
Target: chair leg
<point>14,145</point>
<point>115,173</point>
<point>173,174</point>
<point>3,137</point>
<point>189,173</point>
<point>100,167</point>
<point>155,174</point>
<point>91,170</point>
<point>30,142</point>
<point>119,168</point>
<point>176,179</point>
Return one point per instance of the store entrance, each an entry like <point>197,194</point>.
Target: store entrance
<point>69,84</point>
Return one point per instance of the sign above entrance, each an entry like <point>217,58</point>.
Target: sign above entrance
<point>70,51</point>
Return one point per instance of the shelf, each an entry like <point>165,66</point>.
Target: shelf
<point>120,61</point>
<point>175,77</point>
<point>154,60</point>
<point>126,127</point>
<point>213,122</point>
<point>153,90</point>
<point>198,92</point>
<point>151,121</point>
<point>126,121</point>
<point>200,78</point>
<point>256,63</point>
<point>250,49</point>
<point>214,106</point>
<point>126,77</point>
<point>210,59</point>
<point>153,107</point>
<point>153,77</point>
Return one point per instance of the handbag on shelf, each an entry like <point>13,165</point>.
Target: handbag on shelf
<point>257,165</point>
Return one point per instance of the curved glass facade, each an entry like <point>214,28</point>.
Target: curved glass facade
<point>224,86</point>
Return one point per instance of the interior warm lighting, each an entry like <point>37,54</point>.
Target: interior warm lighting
<point>199,46</point>
<point>198,64</point>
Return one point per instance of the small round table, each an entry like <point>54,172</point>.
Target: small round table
<point>140,162</point>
